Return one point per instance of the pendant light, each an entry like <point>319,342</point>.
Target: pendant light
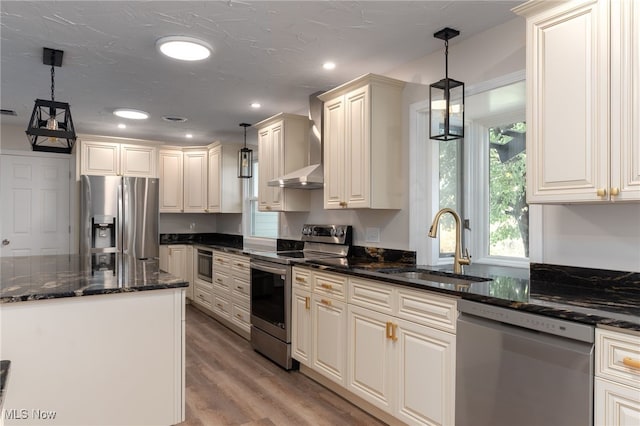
<point>51,127</point>
<point>245,157</point>
<point>446,98</point>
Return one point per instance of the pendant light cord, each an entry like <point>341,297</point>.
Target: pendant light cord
<point>53,74</point>
<point>446,58</point>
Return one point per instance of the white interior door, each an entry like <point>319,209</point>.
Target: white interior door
<point>35,205</point>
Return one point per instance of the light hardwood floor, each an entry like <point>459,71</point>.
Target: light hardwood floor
<point>228,383</point>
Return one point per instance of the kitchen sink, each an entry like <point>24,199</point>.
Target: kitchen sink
<point>433,276</point>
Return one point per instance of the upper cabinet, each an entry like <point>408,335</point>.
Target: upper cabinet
<point>283,147</point>
<point>224,187</point>
<point>583,98</point>
<point>362,144</point>
<point>200,179</point>
<point>117,159</point>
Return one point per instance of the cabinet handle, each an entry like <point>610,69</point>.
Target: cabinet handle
<point>343,204</point>
<point>630,362</point>
<point>326,286</point>
<point>238,287</point>
<point>268,207</point>
<point>615,191</point>
<point>307,303</point>
<point>601,192</point>
<point>219,281</point>
<point>389,334</point>
<point>301,280</point>
<point>240,265</point>
<point>325,302</point>
<point>394,328</point>
<point>239,316</point>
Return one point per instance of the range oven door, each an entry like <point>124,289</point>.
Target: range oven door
<point>271,298</point>
<point>205,265</point>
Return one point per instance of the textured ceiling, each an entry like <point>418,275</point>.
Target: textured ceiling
<point>264,51</point>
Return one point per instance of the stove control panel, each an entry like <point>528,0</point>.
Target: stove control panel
<point>337,234</point>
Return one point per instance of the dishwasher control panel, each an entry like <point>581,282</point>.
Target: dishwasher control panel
<point>558,327</point>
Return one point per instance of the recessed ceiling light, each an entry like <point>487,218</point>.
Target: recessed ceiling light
<point>184,48</point>
<point>133,114</point>
<point>255,105</point>
<point>122,126</point>
<point>188,136</point>
<point>329,65</point>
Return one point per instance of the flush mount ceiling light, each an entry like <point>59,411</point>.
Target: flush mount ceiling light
<point>131,114</point>
<point>329,65</point>
<point>446,99</point>
<point>184,48</point>
<point>245,157</point>
<point>50,128</point>
<point>255,105</point>
<point>122,126</point>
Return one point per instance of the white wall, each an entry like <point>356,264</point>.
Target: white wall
<point>187,223</point>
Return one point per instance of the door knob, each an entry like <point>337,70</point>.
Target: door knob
<point>5,242</point>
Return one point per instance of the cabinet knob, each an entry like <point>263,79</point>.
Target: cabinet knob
<point>615,191</point>
<point>601,192</point>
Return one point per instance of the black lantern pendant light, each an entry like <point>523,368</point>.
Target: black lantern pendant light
<point>446,99</point>
<point>51,127</point>
<point>245,157</point>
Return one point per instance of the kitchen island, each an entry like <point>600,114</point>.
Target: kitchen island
<point>92,340</point>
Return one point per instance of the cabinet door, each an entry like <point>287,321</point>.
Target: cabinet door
<point>170,181</point>
<point>100,158</point>
<point>214,182</point>
<point>425,375</point>
<point>195,182</point>
<point>264,170</point>
<point>137,160</point>
<point>178,261</point>
<point>357,152</point>
<point>301,326</point>
<point>625,100</point>
<point>334,151</point>
<point>568,103</point>
<point>371,357</point>
<point>615,404</point>
<point>329,327</point>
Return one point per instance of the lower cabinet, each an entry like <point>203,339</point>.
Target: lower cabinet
<point>177,259</point>
<point>227,297</point>
<point>617,382</point>
<point>365,343</point>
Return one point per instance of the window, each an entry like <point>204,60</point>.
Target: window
<point>481,177</point>
<point>261,224</point>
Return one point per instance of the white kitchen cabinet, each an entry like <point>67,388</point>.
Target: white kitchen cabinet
<point>195,180</point>
<point>224,188</point>
<point>117,159</point>
<point>583,95</point>
<point>301,325</point>
<point>362,136</point>
<point>171,183</point>
<point>617,382</point>
<point>283,147</point>
<point>177,259</point>
<point>329,337</point>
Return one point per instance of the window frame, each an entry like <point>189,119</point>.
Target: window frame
<point>424,187</point>
<point>250,240</point>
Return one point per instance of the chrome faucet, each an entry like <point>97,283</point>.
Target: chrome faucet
<point>458,259</point>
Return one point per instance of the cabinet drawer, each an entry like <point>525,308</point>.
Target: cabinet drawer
<point>221,306</point>
<point>302,278</point>
<point>427,309</point>
<point>221,260</point>
<point>618,357</point>
<point>240,265</point>
<point>372,295</point>
<point>202,297</point>
<point>329,284</point>
<point>241,290</point>
<point>221,282</point>
<point>241,317</point>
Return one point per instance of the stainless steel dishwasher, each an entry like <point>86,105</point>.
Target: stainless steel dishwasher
<point>517,368</point>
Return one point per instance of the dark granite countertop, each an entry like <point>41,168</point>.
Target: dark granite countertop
<point>5,366</point>
<point>50,277</point>
<point>591,296</point>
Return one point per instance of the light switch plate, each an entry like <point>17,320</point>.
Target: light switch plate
<point>372,235</point>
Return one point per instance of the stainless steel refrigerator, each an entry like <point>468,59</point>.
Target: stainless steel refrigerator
<point>119,215</point>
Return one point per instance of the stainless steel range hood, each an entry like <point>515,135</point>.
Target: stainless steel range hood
<point>311,176</point>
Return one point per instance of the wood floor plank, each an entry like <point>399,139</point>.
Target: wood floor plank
<point>229,384</point>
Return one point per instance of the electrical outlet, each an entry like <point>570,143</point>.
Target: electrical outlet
<point>372,235</point>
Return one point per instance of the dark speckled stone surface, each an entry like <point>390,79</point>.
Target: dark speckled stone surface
<point>50,277</point>
<point>5,365</point>
<point>595,297</point>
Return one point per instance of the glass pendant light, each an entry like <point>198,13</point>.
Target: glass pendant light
<point>245,157</point>
<point>446,99</point>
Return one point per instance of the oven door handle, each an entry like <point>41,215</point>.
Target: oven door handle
<point>266,267</point>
